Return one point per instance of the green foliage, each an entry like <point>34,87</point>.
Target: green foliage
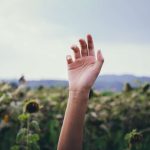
<point>15,147</point>
<point>109,123</point>
<point>23,117</point>
<point>33,138</point>
<point>132,137</point>
<point>34,125</point>
<point>21,135</point>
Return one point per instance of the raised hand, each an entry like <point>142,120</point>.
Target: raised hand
<point>84,69</point>
<point>82,72</point>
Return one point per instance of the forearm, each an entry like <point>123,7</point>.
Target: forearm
<point>72,130</point>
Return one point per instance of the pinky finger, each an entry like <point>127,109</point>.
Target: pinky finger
<point>69,59</point>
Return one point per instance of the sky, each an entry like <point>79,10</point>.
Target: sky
<point>36,35</point>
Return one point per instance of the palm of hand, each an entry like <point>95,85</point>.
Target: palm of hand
<point>84,70</point>
<point>82,73</point>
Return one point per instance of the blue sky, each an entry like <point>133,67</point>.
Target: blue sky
<point>36,35</point>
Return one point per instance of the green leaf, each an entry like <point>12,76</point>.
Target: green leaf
<point>35,126</point>
<point>21,136</point>
<point>23,117</point>
<point>33,138</point>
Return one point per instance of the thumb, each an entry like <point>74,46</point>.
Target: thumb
<point>100,57</point>
<point>100,61</point>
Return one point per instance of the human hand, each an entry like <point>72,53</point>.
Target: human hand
<point>84,69</point>
<point>82,72</point>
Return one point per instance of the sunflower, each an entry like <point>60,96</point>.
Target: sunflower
<point>31,106</point>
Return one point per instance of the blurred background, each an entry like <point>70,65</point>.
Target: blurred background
<point>35,37</point>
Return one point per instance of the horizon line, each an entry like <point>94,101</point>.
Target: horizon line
<point>65,79</point>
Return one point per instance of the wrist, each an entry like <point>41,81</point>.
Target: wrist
<point>79,90</point>
<point>79,96</point>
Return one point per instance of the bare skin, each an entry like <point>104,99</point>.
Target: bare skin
<point>82,73</point>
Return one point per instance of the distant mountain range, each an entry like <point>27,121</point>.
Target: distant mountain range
<point>116,82</point>
<point>103,82</point>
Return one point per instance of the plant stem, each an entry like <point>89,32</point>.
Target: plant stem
<point>28,132</point>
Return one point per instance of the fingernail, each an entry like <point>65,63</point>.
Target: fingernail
<point>89,35</point>
<point>68,57</point>
<point>81,40</point>
<point>73,46</point>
